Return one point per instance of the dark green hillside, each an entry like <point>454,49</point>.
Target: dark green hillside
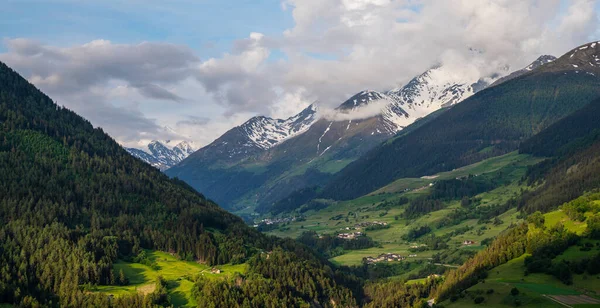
<point>561,254</point>
<point>73,203</point>
<point>490,123</point>
<point>568,135</point>
<point>574,142</point>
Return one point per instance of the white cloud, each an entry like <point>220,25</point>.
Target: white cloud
<point>102,81</point>
<point>362,112</point>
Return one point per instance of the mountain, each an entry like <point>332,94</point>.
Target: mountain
<point>362,99</point>
<point>238,173</point>
<point>256,136</point>
<point>436,88</point>
<point>76,209</point>
<point>545,59</point>
<point>492,122</point>
<point>162,154</point>
<point>264,160</point>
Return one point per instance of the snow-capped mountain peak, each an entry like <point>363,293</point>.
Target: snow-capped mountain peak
<point>545,59</point>
<point>188,147</point>
<point>163,154</point>
<point>436,88</point>
<point>267,132</point>
<point>360,99</point>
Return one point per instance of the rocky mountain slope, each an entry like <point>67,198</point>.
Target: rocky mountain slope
<point>256,135</point>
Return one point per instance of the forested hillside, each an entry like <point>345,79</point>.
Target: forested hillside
<point>574,145</point>
<point>73,202</point>
<point>490,123</point>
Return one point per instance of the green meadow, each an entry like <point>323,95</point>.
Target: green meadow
<point>535,288</point>
<point>178,274</point>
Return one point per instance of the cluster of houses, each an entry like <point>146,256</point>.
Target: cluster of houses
<point>389,257</point>
<point>468,243</point>
<point>350,236</point>
<point>271,221</point>
<point>369,223</point>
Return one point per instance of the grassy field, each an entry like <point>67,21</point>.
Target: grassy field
<point>177,273</point>
<point>489,165</point>
<point>341,215</point>
<point>415,281</point>
<point>507,276</point>
<point>555,217</point>
<point>534,288</point>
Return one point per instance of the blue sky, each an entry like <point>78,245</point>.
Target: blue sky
<point>202,67</point>
<point>207,26</point>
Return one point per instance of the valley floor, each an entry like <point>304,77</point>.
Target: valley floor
<point>345,216</point>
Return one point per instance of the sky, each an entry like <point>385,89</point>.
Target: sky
<point>192,69</point>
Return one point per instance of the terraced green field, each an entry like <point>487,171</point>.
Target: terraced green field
<point>178,274</point>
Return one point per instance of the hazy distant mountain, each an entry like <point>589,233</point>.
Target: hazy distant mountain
<point>164,154</point>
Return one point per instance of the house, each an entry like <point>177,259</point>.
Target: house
<point>215,270</point>
<point>431,302</point>
<point>350,236</point>
<point>468,242</point>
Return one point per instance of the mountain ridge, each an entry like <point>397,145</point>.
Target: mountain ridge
<point>484,125</point>
<point>334,139</point>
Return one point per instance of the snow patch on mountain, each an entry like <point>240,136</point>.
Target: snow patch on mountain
<point>436,88</point>
<point>321,138</point>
